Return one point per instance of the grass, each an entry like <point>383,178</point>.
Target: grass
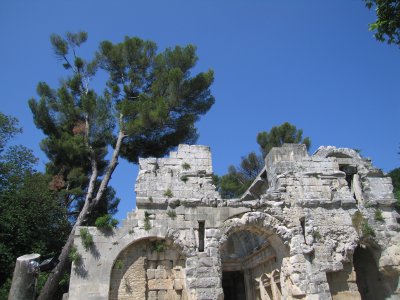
<point>185,166</point>
<point>172,214</point>
<point>168,193</point>
<point>147,225</point>
<point>379,216</point>
<point>316,235</point>
<point>74,255</point>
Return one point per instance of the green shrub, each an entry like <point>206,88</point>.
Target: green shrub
<point>86,237</point>
<point>316,235</point>
<point>74,255</point>
<point>147,225</point>
<point>185,166</point>
<point>171,214</point>
<point>379,216</point>
<point>184,178</point>
<point>158,246</point>
<point>168,193</point>
<point>118,264</point>
<point>367,230</point>
<point>106,222</point>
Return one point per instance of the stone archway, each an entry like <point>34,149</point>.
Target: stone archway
<point>148,269</point>
<point>252,251</point>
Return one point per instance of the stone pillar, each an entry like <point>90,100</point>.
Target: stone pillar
<point>23,282</point>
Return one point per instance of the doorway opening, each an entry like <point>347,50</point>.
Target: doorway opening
<point>233,285</point>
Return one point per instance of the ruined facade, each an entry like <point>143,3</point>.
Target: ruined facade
<point>309,227</point>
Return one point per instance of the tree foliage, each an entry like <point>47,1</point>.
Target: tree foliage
<point>31,217</point>
<point>278,135</point>
<point>238,179</point>
<point>395,175</point>
<point>149,105</point>
<point>387,24</point>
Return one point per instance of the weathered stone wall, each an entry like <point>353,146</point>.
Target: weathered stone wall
<point>295,234</point>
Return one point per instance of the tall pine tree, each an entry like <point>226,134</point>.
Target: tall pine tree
<point>149,105</point>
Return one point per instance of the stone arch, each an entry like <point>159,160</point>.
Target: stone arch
<point>150,267</point>
<point>252,250</point>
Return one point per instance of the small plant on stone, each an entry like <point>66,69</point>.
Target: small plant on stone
<point>379,216</point>
<point>150,199</point>
<point>168,193</point>
<point>74,255</point>
<point>106,222</point>
<point>158,246</point>
<point>367,230</point>
<point>147,225</point>
<point>118,265</point>
<point>316,235</point>
<point>131,231</point>
<point>86,237</point>
<point>172,214</point>
<point>184,178</point>
<point>357,219</point>
<point>185,166</point>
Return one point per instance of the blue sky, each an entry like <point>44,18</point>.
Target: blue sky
<point>312,63</point>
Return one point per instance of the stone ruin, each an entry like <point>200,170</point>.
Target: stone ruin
<point>309,227</point>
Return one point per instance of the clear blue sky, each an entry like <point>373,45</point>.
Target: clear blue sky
<point>311,63</point>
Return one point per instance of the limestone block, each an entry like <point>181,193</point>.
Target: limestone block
<point>150,273</point>
<point>160,274</point>
<point>160,284</point>
<point>179,284</point>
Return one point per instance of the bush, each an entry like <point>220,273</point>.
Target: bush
<point>74,255</point>
<point>367,230</point>
<point>158,246</point>
<point>184,178</point>
<point>171,214</point>
<point>168,193</point>
<point>147,225</point>
<point>378,216</point>
<point>118,264</point>
<point>86,237</point>
<point>106,222</point>
<point>185,166</point>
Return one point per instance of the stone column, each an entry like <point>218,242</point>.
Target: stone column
<point>23,282</point>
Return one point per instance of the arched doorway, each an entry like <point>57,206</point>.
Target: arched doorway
<point>251,260</point>
<point>148,269</point>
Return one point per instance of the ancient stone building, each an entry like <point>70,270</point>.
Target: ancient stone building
<point>309,227</point>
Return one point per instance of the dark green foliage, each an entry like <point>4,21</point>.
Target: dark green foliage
<point>31,217</point>
<point>74,255</point>
<point>184,178</point>
<point>158,246</point>
<point>395,175</point>
<point>186,166</point>
<point>237,181</point>
<point>8,129</point>
<point>78,125</point>
<point>86,237</point>
<point>106,222</point>
<point>278,135</point>
<point>147,224</point>
<point>118,265</point>
<point>387,24</point>
<point>156,95</point>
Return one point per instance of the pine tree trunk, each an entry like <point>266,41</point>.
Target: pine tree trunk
<point>91,203</point>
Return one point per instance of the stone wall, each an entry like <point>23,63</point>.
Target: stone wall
<point>299,232</point>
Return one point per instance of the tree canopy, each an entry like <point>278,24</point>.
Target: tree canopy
<point>238,179</point>
<point>387,24</point>
<point>32,218</point>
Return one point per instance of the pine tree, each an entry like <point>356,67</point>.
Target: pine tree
<point>150,104</point>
